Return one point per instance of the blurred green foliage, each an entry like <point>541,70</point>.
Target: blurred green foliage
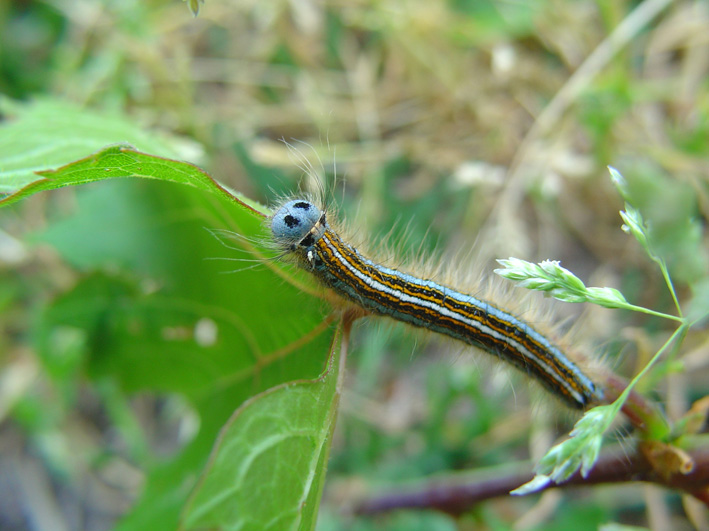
<point>416,108</point>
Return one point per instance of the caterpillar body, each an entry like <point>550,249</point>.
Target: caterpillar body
<point>300,229</point>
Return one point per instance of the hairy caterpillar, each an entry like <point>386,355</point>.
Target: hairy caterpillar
<point>300,229</point>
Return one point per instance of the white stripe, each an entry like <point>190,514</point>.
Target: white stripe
<point>375,284</point>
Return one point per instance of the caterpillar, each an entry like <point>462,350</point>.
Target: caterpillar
<point>300,230</point>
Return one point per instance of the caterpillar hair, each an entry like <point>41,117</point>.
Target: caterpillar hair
<point>300,229</point>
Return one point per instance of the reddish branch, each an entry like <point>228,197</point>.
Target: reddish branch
<point>613,468</point>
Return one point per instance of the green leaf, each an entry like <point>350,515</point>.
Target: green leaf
<point>46,134</point>
<point>144,321</point>
<point>267,470</point>
<point>156,312</point>
<point>116,162</point>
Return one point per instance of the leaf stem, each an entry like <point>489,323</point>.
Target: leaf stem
<point>680,331</point>
<point>641,309</point>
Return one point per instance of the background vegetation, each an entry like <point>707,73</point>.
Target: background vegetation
<point>450,124</point>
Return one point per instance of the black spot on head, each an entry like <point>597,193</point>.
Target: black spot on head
<point>304,205</point>
<point>291,221</point>
<point>308,240</point>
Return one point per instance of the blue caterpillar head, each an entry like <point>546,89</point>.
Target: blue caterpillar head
<point>294,221</point>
